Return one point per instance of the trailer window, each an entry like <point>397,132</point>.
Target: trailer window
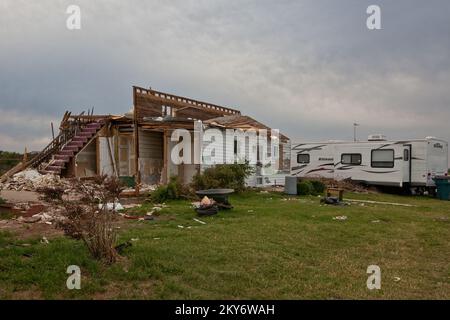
<point>354,159</point>
<point>303,158</point>
<point>383,158</point>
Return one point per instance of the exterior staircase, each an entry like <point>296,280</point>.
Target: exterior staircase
<point>80,139</point>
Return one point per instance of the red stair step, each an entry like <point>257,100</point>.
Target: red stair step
<point>85,134</point>
<point>56,169</point>
<point>95,125</point>
<point>60,163</point>
<point>79,139</point>
<point>71,148</point>
<point>92,130</point>
<point>75,144</point>
<point>62,157</point>
<point>66,153</point>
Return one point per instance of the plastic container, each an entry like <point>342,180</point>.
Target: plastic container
<point>443,187</point>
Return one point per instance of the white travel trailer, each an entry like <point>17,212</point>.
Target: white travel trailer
<point>406,163</point>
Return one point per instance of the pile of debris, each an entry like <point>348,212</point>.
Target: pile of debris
<point>206,207</point>
<point>47,217</point>
<point>31,180</point>
<point>347,185</point>
<point>143,188</point>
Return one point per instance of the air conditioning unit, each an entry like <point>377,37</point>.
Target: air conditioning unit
<point>377,137</point>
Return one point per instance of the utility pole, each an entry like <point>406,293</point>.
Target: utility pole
<point>354,131</point>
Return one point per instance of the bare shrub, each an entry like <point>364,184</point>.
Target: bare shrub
<point>88,218</point>
<point>51,194</point>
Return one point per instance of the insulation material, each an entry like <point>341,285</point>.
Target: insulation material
<point>151,170</point>
<point>126,155</point>
<point>86,161</point>
<point>150,156</point>
<point>107,163</point>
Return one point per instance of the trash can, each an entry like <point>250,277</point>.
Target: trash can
<point>443,187</point>
<point>290,185</point>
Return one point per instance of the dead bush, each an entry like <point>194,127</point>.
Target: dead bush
<point>88,218</point>
<point>51,194</point>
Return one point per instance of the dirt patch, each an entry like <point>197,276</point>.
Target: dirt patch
<point>32,293</point>
<point>143,290</point>
<point>24,231</point>
<point>13,196</point>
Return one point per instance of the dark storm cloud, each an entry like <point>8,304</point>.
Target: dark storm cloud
<point>310,68</point>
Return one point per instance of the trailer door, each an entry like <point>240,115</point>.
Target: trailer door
<point>407,161</point>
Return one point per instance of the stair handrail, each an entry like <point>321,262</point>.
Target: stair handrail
<point>70,126</point>
<point>55,145</point>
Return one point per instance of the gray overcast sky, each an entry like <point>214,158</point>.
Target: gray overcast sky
<point>310,68</point>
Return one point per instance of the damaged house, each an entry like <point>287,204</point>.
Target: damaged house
<point>138,145</point>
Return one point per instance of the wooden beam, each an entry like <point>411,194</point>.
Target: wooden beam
<point>165,157</point>
<point>171,99</point>
<point>136,144</point>
<point>97,155</point>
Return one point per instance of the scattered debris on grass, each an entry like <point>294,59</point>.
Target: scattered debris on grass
<point>363,202</point>
<point>340,218</point>
<point>206,207</point>
<point>110,206</point>
<point>199,221</point>
<point>332,201</point>
<point>44,240</point>
<point>121,247</point>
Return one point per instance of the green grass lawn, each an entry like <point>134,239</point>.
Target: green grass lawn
<point>269,247</point>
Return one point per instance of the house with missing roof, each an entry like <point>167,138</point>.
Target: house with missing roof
<point>139,145</point>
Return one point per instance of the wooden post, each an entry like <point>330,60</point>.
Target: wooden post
<point>136,143</point>
<point>25,157</point>
<point>53,131</point>
<point>165,157</point>
<point>116,150</point>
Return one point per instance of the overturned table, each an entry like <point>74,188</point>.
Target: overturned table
<point>218,195</point>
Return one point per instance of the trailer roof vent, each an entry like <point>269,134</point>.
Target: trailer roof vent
<point>377,137</point>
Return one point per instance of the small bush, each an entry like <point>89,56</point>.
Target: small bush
<point>230,176</point>
<point>2,201</point>
<point>172,191</point>
<point>83,220</point>
<point>305,188</point>
<point>318,186</point>
<point>51,193</point>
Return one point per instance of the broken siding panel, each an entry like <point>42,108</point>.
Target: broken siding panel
<point>126,155</point>
<point>150,156</point>
<point>150,144</point>
<point>86,161</point>
<point>151,170</point>
<point>106,165</point>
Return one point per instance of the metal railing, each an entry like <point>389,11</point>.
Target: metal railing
<point>70,126</point>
